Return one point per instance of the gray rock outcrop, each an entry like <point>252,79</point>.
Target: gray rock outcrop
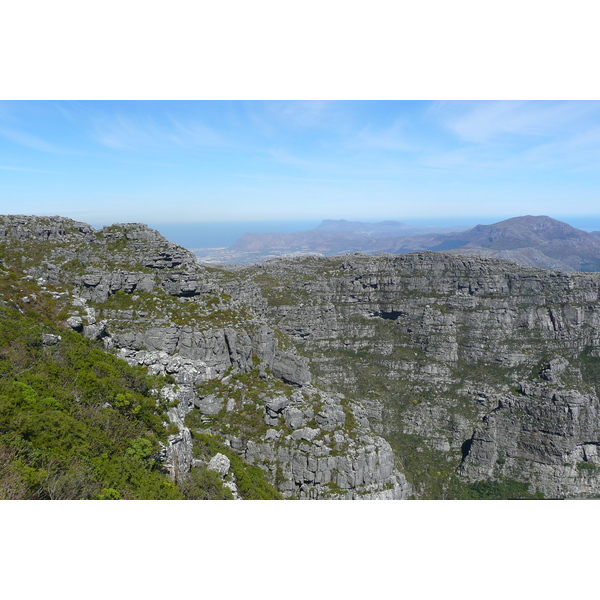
<point>220,464</point>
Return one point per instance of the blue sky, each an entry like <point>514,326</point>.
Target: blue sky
<point>213,161</point>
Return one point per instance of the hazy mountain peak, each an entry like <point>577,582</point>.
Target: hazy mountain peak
<point>523,231</point>
<point>540,223</point>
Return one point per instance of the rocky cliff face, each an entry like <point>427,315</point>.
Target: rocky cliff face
<point>149,301</point>
<point>474,369</point>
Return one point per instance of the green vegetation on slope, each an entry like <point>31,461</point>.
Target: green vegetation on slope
<point>75,422</point>
<point>78,423</point>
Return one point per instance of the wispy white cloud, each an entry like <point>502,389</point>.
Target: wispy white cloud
<point>5,168</point>
<point>556,156</point>
<point>25,169</point>
<point>482,122</point>
<point>122,132</point>
<point>278,119</point>
<point>512,137</point>
<point>196,134</point>
<point>28,140</point>
<point>580,151</point>
<point>500,139</point>
<point>283,156</point>
<point>306,113</point>
<point>301,179</point>
<point>394,137</point>
<point>7,112</point>
<point>587,138</point>
<point>449,160</point>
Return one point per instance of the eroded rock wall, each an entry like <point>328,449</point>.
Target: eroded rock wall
<point>447,355</point>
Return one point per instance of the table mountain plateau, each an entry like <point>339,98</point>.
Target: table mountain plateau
<point>424,375</point>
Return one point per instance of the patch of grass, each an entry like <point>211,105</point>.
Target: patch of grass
<point>501,489</point>
<point>589,364</point>
<point>428,470</point>
<point>332,490</point>
<point>587,467</point>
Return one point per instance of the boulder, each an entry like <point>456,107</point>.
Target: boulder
<point>220,464</point>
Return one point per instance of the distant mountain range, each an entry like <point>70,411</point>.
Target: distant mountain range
<point>336,237</point>
<point>536,241</point>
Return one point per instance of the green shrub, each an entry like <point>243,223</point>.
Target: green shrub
<point>108,494</point>
<point>205,485</point>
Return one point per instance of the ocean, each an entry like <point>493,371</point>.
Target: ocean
<point>220,235</point>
